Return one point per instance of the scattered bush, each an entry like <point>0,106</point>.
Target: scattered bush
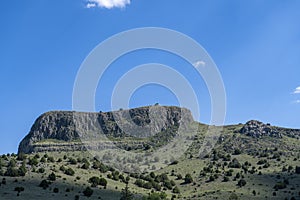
<point>44,184</point>
<point>188,179</point>
<point>88,192</point>
<point>69,172</point>
<point>52,177</point>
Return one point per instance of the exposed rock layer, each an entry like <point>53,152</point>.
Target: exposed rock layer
<point>64,130</point>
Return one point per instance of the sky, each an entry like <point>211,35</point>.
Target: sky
<point>255,45</point>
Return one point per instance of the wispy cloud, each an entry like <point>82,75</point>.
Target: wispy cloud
<point>199,63</point>
<point>109,4</point>
<point>90,5</point>
<point>297,90</point>
<point>296,102</point>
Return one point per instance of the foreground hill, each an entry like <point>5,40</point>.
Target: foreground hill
<point>249,161</point>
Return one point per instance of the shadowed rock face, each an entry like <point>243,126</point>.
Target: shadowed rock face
<point>66,128</point>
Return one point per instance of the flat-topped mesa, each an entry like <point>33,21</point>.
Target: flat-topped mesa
<point>258,129</point>
<point>63,130</point>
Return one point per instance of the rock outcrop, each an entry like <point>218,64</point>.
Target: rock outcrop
<point>67,130</point>
<point>258,129</point>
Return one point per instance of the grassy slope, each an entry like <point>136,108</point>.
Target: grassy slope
<point>252,150</point>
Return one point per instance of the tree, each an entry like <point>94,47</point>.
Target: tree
<point>297,170</point>
<point>52,177</point>
<point>44,184</point>
<point>103,182</point>
<point>94,181</point>
<point>69,172</point>
<point>88,192</point>
<point>241,183</point>
<point>188,179</point>
<point>21,156</point>
<point>22,170</point>
<point>126,194</point>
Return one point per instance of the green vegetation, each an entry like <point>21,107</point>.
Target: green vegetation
<point>238,167</point>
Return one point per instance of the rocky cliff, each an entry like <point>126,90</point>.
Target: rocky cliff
<point>66,130</point>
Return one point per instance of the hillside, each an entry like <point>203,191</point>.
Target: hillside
<point>249,161</point>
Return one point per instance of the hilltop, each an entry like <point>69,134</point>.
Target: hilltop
<point>249,161</point>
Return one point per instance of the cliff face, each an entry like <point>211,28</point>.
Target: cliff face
<point>64,130</point>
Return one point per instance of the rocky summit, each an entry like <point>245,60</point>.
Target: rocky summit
<point>258,129</point>
<point>64,130</point>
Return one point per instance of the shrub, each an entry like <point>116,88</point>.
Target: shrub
<point>156,196</point>
<point>19,189</point>
<point>69,172</point>
<point>297,170</point>
<point>21,156</point>
<point>72,161</point>
<point>88,192</point>
<point>103,182</point>
<point>22,170</point>
<point>12,171</point>
<point>50,159</point>
<point>44,184</point>
<point>237,151</point>
<point>41,170</point>
<point>226,179</point>
<point>52,177</point>
<point>279,186</point>
<point>33,161</point>
<point>188,179</point>
<point>234,164</point>
<point>241,183</point>
<point>55,190</point>
<point>176,190</point>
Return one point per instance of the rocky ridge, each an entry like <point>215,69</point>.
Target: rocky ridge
<point>66,130</point>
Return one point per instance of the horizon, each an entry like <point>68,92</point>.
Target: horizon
<point>255,46</point>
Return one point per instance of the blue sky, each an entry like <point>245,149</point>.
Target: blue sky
<point>255,44</point>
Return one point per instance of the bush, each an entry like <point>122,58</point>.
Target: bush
<point>156,196</point>
<point>44,184</point>
<point>12,171</point>
<point>55,190</point>
<point>103,182</point>
<point>21,156</point>
<point>241,183</point>
<point>88,192</point>
<point>297,170</point>
<point>33,161</point>
<point>188,179</point>
<point>41,170</point>
<point>234,164</point>
<point>69,172</point>
<point>279,186</point>
<point>52,177</point>
<point>19,189</point>
<point>237,152</point>
<point>22,170</point>
<point>226,179</point>
<point>176,190</point>
<point>72,161</point>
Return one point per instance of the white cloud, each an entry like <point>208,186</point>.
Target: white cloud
<point>90,5</point>
<point>199,63</point>
<point>297,90</point>
<point>107,3</point>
